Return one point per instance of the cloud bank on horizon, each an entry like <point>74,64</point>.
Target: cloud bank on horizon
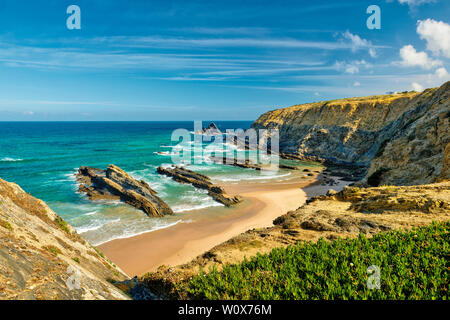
<point>179,60</point>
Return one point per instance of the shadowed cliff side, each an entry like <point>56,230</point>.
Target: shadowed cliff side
<point>42,257</point>
<point>355,131</point>
<point>418,152</point>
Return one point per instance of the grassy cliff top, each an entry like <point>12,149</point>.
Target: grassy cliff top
<point>353,101</point>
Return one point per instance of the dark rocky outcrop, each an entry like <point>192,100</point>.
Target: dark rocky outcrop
<point>211,129</point>
<point>183,175</point>
<point>247,164</point>
<point>114,183</point>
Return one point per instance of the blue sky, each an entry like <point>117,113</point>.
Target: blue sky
<point>222,60</point>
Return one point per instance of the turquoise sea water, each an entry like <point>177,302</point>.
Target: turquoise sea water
<point>42,158</point>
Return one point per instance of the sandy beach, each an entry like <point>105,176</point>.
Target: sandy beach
<point>179,244</point>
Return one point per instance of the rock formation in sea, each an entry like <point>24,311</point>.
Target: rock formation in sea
<point>200,181</point>
<point>247,164</point>
<point>211,130</point>
<point>42,257</point>
<point>114,183</point>
<point>395,139</point>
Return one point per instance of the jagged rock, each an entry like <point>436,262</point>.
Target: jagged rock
<point>247,164</point>
<point>399,138</point>
<point>200,181</point>
<point>313,224</point>
<point>43,258</point>
<point>211,130</point>
<point>114,183</point>
<point>416,153</point>
<point>331,192</point>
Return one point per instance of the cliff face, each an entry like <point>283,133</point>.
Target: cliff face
<point>401,138</point>
<point>418,152</point>
<point>42,257</point>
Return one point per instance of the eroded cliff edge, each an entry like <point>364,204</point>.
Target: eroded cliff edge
<point>399,138</point>
<point>42,257</point>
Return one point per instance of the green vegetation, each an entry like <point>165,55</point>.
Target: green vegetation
<point>6,225</point>
<point>99,252</point>
<point>62,224</point>
<point>76,260</point>
<point>413,265</point>
<point>54,250</point>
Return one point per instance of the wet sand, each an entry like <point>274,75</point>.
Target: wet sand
<point>179,244</point>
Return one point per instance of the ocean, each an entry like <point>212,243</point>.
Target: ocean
<point>42,157</point>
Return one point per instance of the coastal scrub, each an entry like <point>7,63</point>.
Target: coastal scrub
<point>413,265</point>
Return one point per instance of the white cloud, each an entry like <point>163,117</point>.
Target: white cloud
<point>352,69</point>
<point>358,43</point>
<point>356,84</point>
<point>417,87</point>
<point>412,58</point>
<point>437,36</point>
<point>442,73</point>
<point>415,3</point>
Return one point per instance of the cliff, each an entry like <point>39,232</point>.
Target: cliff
<point>42,257</point>
<point>398,138</point>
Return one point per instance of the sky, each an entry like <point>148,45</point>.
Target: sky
<point>211,60</point>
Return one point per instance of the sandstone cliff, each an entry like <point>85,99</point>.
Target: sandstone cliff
<point>399,138</point>
<point>42,257</point>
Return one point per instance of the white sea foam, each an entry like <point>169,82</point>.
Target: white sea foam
<point>95,225</point>
<point>6,159</point>
<point>81,230</point>
<point>131,233</point>
<point>183,208</point>
<point>243,178</point>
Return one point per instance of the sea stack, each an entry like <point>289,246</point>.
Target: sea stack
<point>200,181</point>
<point>114,183</point>
<point>211,130</point>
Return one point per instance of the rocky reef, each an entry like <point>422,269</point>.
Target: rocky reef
<point>396,138</point>
<point>114,183</point>
<point>200,181</point>
<point>43,258</point>
<point>211,130</point>
<point>247,164</point>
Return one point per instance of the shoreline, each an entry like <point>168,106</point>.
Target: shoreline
<point>183,242</point>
